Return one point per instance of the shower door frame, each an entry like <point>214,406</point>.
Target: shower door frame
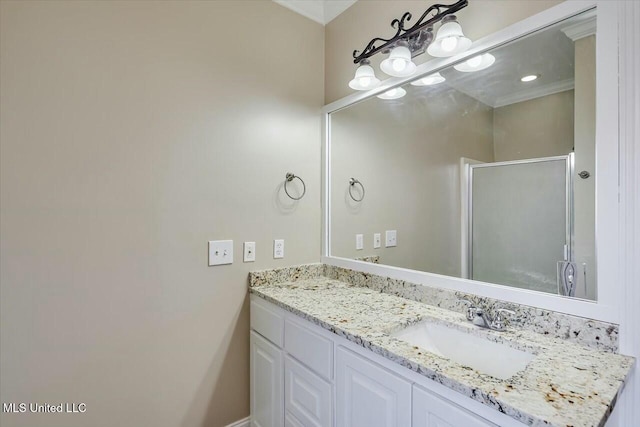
<point>569,159</point>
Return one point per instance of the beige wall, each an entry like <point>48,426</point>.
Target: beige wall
<point>133,133</point>
<point>407,155</point>
<point>367,19</point>
<point>540,127</point>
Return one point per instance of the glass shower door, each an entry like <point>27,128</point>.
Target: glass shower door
<point>520,222</point>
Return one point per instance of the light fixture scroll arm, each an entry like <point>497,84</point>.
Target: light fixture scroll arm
<point>396,23</point>
<point>441,10</point>
<point>448,9</point>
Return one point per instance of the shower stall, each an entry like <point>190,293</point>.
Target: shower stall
<point>520,224</point>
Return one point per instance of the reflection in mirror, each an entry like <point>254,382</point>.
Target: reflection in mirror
<point>484,169</point>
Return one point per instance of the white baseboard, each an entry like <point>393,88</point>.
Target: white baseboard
<point>245,422</point>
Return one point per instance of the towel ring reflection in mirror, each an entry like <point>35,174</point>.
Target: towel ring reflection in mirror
<point>352,183</point>
<point>290,177</point>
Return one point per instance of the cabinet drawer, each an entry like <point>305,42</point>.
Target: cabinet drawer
<point>430,410</point>
<point>307,396</point>
<point>309,347</point>
<point>267,320</point>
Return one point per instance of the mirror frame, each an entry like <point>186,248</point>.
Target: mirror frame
<point>607,170</point>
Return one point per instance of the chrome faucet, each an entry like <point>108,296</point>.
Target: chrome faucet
<point>479,317</point>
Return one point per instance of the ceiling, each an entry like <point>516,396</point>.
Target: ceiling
<point>321,11</point>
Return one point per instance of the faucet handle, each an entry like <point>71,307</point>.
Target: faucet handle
<point>471,309</point>
<point>498,323</point>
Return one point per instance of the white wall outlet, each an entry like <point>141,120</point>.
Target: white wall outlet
<point>359,242</point>
<point>220,252</point>
<point>278,248</point>
<point>249,251</point>
<point>391,239</point>
<point>376,240</point>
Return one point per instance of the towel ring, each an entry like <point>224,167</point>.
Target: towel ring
<point>290,177</point>
<point>352,183</point>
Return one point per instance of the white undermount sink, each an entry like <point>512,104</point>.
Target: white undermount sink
<point>488,357</point>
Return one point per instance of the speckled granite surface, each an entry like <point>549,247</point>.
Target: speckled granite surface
<point>565,385</point>
<point>374,259</point>
<point>588,332</point>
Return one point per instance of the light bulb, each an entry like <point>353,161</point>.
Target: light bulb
<point>391,92</point>
<point>449,44</point>
<point>475,61</point>
<point>399,64</point>
<point>529,78</point>
<point>364,81</point>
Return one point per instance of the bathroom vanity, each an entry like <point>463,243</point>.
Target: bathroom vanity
<point>334,347</point>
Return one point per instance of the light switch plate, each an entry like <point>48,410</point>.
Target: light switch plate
<point>359,242</point>
<point>376,240</point>
<point>220,252</point>
<point>249,251</point>
<point>391,238</point>
<point>278,248</point>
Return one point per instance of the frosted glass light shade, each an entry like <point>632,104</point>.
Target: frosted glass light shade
<point>399,63</point>
<point>365,78</point>
<point>432,79</point>
<point>477,63</point>
<point>394,93</point>
<point>449,40</point>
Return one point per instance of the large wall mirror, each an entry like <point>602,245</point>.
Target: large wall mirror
<point>484,169</point>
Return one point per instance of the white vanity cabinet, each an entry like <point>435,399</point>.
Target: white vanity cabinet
<point>367,395</point>
<point>305,376</point>
<point>291,370</point>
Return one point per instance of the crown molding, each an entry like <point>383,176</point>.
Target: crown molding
<point>533,93</point>
<point>581,29</point>
<point>320,11</point>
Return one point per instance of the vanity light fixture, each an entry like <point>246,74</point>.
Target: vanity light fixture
<point>395,93</point>
<point>408,43</point>
<point>365,77</point>
<point>432,79</point>
<point>476,63</point>
<point>529,78</point>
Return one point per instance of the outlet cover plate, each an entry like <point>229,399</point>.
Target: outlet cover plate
<point>278,248</point>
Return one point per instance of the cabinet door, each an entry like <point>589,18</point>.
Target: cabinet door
<point>267,403</point>
<point>307,396</point>
<point>430,410</point>
<point>367,395</point>
<point>291,421</point>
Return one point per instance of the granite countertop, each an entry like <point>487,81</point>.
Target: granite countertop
<point>566,384</point>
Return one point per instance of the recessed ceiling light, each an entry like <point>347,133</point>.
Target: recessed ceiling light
<point>530,78</point>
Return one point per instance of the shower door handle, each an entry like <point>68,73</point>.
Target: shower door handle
<point>567,278</point>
